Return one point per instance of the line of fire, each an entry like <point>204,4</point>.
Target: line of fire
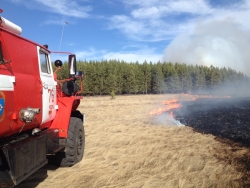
<point>226,117</point>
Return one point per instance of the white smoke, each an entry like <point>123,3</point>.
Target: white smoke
<point>221,43</point>
<point>166,120</point>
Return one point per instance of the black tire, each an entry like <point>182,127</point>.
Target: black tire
<point>74,148</point>
<point>5,178</point>
<point>75,143</point>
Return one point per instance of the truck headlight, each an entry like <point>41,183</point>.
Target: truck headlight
<point>27,115</point>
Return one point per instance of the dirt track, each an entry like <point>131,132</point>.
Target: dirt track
<point>126,148</point>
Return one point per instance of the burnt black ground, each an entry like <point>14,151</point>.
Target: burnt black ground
<point>225,118</point>
<point>228,120</point>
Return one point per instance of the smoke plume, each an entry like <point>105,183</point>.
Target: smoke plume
<point>221,43</point>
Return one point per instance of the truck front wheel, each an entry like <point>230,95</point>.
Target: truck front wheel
<point>74,148</point>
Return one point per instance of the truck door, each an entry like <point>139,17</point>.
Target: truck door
<point>48,86</point>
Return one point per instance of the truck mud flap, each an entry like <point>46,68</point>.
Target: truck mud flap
<point>24,158</point>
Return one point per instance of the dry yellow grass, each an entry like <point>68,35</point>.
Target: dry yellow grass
<point>125,148</point>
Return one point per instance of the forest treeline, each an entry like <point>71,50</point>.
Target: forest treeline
<point>103,77</point>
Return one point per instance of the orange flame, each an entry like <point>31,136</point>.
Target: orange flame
<point>174,103</point>
<point>171,104</point>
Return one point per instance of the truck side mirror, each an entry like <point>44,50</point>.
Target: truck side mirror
<point>79,74</point>
<point>72,65</point>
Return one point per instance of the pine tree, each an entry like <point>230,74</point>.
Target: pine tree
<point>174,84</point>
<point>139,77</point>
<point>110,80</point>
<point>158,85</point>
<point>146,70</point>
<point>215,77</point>
<point>132,82</point>
<point>184,77</point>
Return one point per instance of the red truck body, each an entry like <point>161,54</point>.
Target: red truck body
<point>36,113</point>
<point>23,69</point>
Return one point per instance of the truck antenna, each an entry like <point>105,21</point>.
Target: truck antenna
<point>62,35</point>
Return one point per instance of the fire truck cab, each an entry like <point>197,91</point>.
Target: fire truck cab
<point>39,120</point>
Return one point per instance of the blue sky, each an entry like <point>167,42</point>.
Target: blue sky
<point>209,32</point>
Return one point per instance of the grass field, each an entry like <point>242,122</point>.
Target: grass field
<point>125,147</point>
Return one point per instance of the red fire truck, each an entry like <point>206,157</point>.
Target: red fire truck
<point>39,120</point>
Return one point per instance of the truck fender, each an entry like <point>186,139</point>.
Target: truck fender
<point>66,106</point>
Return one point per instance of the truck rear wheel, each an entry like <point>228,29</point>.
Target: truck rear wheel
<point>74,148</point>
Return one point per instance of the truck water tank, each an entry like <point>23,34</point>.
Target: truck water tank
<point>8,25</point>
